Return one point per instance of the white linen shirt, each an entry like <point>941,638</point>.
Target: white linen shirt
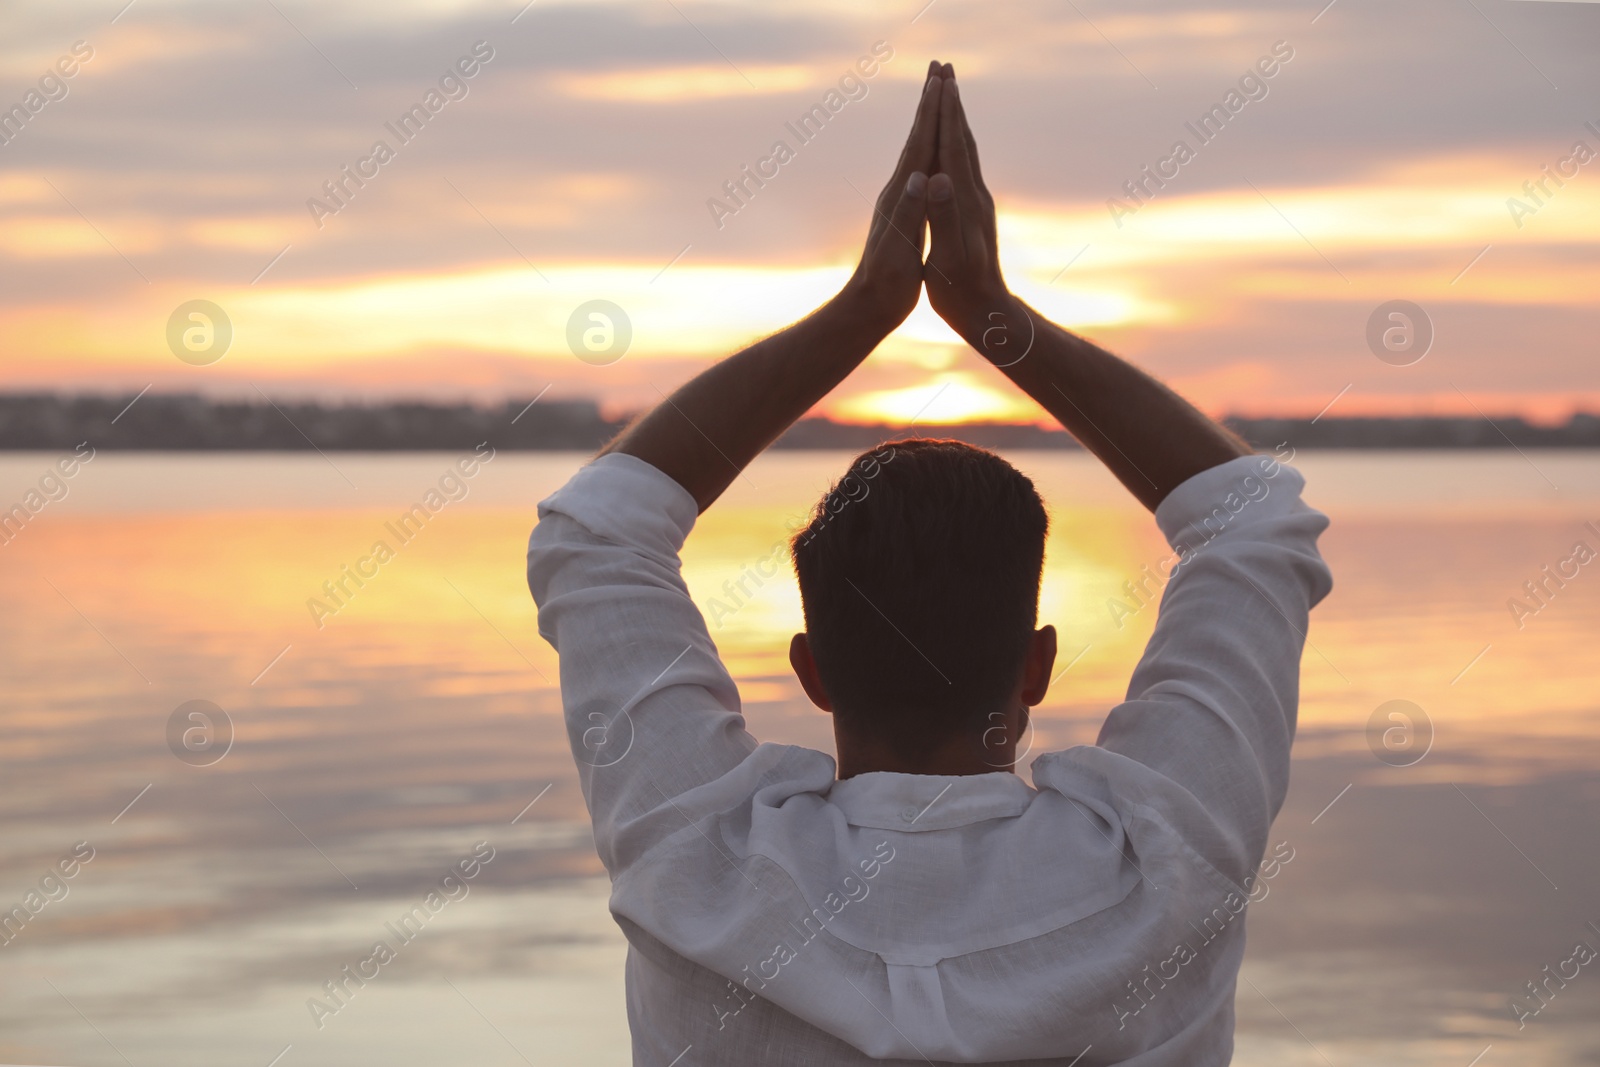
<point>776,915</point>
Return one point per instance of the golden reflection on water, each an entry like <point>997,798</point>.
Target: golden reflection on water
<point>169,593</point>
<point>1421,589</point>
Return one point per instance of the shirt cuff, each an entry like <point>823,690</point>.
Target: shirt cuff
<point>624,500</point>
<point>1240,492</point>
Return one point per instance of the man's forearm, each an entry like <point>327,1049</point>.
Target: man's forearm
<point>707,431</point>
<point>1151,438</point>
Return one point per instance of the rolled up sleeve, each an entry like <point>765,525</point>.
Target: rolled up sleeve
<point>1212,704</point>
<point>651,712</point>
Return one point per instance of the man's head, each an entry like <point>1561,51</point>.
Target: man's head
<point>919,573</point>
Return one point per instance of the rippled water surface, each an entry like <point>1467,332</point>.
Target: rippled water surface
<point>379,739</point>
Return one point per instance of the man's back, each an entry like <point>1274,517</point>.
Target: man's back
<point>776,915</point>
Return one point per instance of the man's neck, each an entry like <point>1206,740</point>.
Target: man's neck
<point>856,757</point>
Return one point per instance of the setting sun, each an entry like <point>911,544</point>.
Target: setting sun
<point>951,397</point>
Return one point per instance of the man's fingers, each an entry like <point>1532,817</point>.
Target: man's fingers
<point>977,205</point>
<point>953,157</point>
<point>972,146</point>
<point>917,155</point>
<point>944,220</point>
<point>954,161</point>
<point>971,141</point>
<point>909,211</point>
<point>920,145</point>
<point>985,201</point>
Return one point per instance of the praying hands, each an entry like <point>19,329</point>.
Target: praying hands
<point>715,425</point>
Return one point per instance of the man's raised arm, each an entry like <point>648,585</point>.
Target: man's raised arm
<point>1152,439</point>
<point>710,429</point>
<point>652,714</point>
<point>1211,708</point>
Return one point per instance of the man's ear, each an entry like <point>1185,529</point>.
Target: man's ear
<point>805,668</point>
<point>1040,662</point>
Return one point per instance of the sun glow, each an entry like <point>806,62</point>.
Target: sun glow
<point>1201,260</point>
<point>951,397</point>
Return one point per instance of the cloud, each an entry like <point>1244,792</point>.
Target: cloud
<point>590,144</point>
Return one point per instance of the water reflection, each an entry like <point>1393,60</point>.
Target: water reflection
<point>373,751</point>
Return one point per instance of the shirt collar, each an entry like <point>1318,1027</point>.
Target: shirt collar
<point>890,800</point>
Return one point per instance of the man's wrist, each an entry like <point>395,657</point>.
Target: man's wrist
<point>1000,328</point>
<point>862,311</point>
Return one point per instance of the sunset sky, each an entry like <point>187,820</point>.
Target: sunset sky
<point>578,160</point>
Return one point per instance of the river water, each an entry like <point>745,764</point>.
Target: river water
<point>376,742</point>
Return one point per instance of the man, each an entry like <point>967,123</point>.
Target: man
<point>919,902</point>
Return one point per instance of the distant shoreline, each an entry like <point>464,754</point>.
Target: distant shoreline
<point>46,422</point>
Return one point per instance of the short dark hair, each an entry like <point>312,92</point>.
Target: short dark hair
<point>919,574</point>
